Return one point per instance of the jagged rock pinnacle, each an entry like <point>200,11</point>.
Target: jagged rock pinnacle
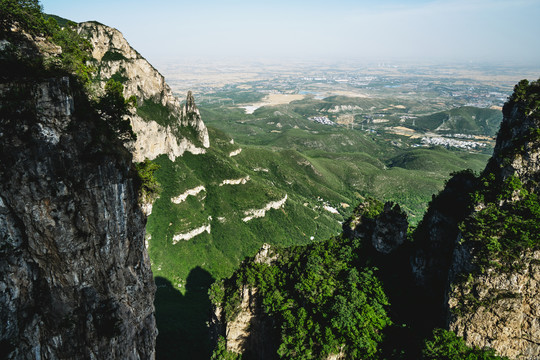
<point>517,151</point>
<point>190,102</point>
<point>192,117</point>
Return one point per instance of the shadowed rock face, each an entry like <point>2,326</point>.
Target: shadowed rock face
<point>75,278</point>
<point>390,229</point>
<point>386,231</point>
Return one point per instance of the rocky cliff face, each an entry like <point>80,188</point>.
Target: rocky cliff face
<point>517,150</point>
<point>116,59</point>
<point>500,310</point>
<point>248,331</point>
<point>75,278</point>
<point>387,230</point>
<point>499,307</point>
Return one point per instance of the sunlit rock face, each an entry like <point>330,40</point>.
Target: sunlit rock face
<point>500,308</point>
<point>116,59</point>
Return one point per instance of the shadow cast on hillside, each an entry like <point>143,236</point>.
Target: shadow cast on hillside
<point>182,319</point>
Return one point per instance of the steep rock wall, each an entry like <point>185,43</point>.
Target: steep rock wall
<point>248,331</point>
<point>75,278</point>
<point>499,307</point>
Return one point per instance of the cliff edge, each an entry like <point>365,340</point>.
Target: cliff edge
<point>75,277</point>
<point>162,124</point>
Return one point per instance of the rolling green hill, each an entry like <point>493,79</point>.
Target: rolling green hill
<point>306,176</point>
<point>463,120</point>
<point>323,175</point>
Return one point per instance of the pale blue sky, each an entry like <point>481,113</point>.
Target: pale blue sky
<point>450,30</point>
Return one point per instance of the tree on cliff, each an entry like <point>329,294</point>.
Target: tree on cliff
<point>114,107</point>
<point>445,345</point>
<point>25,13</point>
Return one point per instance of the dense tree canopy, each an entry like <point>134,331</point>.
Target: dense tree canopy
<point>323,299</point>
<point>445,345</point>
<point>24,13</point>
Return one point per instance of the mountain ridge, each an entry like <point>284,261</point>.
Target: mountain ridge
<point>114,58</point>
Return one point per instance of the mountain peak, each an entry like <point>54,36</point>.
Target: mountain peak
<point>517,150</point>
<point>192,117</point>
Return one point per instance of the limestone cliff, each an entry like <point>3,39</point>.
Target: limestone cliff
<point>165,127</point>
<point>75,278</point>
<point>246,329</point>
<point>475,259</point>
<point>500,309</point>
<point>498,306</point>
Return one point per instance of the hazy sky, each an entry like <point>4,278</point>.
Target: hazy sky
<point>454,30</point>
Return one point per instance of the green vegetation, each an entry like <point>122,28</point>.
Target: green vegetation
<point>231,239</point>
<point>75,55</point>
<point>113,56</point>
<point>73,60</point>
<point>119,77</point>
<point>527,97</point>
<point>322,298</point>
<point>182,318</point>
<point>62,22</point>
<point>313,164</point>
<point>152,111</point>
<point>26,13</point>
<point>354,163</point>
<point>221,352</point>
<point>311,179</point>
<point>463,120</point>
<point>149,188</point>
<point>369,209</point>
<point>445,345</point>
<point>114,108</point>
<point>508,223</point>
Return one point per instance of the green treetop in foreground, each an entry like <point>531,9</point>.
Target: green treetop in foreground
<point>322,298</point>
<point>27,16</point>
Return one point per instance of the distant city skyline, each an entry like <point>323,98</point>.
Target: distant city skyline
<point>492,31</point>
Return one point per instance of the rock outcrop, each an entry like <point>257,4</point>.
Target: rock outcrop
<point>517,150</point>
<point>238,330</point>
<point>500,310</point>
<point>156,133</point>
<point>75,278</point>
<point>246,329</point>
<point>498,307</point>
<point>444,280</point>
<point>386,230</point>
<point>250,332</point>
<point>259,213</point>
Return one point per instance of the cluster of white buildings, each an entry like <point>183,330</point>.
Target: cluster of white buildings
<point>322,120</point>
<point>441,141</point>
